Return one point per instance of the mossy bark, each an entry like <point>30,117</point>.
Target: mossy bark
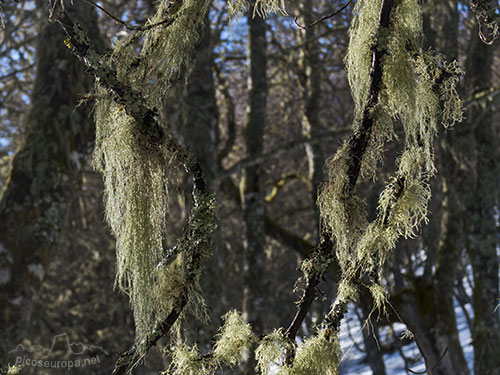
<point>199,132</point>
<point>45,172</point>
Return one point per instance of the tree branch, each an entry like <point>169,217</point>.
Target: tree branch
<point>278,151</point>
<point>357,144</point>
<point>322,18</point>
<point>196,237</point>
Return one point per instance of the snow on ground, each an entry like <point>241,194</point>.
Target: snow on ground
<point>351,339</point>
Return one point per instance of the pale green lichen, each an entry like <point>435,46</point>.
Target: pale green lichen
<point>136,203</point>
<point>136,171</point>
<point>234,339</point>
<point>316,356</point>
<point>233,342</point>
<point>413,84</point>
<point>188,361</point>
<point>270,352</point>
<point>362,33</point>
<point>14,370</point>
<point>261,8</point>
<point>166,52</point>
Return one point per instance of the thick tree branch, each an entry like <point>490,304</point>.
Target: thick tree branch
<point>195,237</point>
<point>297,243</point>
<point>357,147</point>
<point>278,151</point>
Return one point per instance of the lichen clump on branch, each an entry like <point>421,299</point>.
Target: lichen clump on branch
<point>414,82</point>
<point>136,167</point>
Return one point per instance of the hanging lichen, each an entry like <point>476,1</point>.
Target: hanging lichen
<point>135,169</point>
<point>234,339</point>
<point>316,356</point>
<point>270,352</point>
<point>136,204</point>
<point>413,84</point>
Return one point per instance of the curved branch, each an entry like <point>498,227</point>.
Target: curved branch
<point>331,15</point>
<point>196,237</point>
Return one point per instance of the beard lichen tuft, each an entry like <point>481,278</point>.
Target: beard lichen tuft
<point>234,339</point>
<point>136,200</point>
<point>262,8</point>
<point>414,83</point>
<point>270,352</point>
<point>166,51</point>
<point>136,171</point>
<point>187,361</point>
<point>316,356</point>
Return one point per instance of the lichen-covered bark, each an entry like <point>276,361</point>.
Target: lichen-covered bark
<point>252,184</point>
<point>199,133</point>
<point>44,174</point>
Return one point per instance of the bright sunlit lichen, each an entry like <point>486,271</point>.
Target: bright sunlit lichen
<point>270,352</point>
<point>234,339</point>
<point>261,8</point>
<point>316,356</point>
<point>414,82</point>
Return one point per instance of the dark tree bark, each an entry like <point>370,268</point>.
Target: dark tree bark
<point>44,174</point>
<point>252,184</point>
<point>480,192</point>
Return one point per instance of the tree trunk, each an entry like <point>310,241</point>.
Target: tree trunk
<point>481,193</point>
<point>310,79</point>
<point>44,174</point>
<point>252,184</point>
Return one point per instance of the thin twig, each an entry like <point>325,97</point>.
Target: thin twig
<point>322,18</point>
<point>125,24</point>
<point>433,368</point>
<point>419,347</point>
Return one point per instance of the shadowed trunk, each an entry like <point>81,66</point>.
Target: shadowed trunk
<point>480,193</point>
<point>44,174</point>
<point>252,184</point>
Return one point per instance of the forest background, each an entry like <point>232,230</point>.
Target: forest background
<point>262,105</point>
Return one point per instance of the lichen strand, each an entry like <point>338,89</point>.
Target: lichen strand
<point>270,352</point>
<point>136,170</point>
<point>413,84</point>
<point>315,356</point>
<point>234,339</point>
<point>166,51</point>
<point>362,33</point>
<point>136,205</point>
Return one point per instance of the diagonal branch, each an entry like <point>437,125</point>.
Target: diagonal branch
<point>357,145</point>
